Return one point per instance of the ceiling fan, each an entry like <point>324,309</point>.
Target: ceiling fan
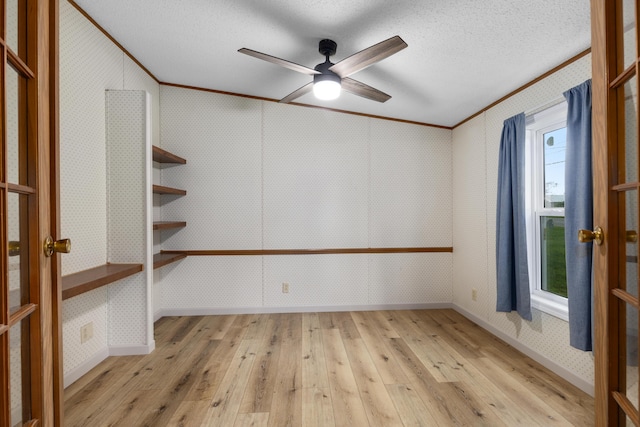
<point>330,78</point>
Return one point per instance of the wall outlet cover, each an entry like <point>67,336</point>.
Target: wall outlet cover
<point>86,332</point>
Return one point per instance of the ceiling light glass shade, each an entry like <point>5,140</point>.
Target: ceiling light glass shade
<point>326,87</point>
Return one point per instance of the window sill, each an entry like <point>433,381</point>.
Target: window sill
<point>553,308</point>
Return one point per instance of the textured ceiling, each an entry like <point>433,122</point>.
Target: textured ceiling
<point>462,55</point>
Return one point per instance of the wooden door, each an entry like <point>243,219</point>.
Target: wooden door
<point>29,321</point>
<point>615,56</point>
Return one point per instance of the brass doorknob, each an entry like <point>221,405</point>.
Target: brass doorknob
<point>59,246</point>
<point>14,248</point>
<point>632,236</point>
<point>586,236</point>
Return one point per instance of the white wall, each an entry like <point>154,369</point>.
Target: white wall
<point>89,64</point>
<point>475,164</point>
<point>261,175</point>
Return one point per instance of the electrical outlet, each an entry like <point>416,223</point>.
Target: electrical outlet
<point>474,294</point>
<point>285,288</point>
<point>86,332</point>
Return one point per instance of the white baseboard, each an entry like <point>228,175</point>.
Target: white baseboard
<point>131,350</point>
<point>210,311</point>
<point>549,364</point>
<point>157,315</point>
<point>75,374</point>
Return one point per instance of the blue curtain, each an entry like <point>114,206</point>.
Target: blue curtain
<point>511,244</point>
<point>578,213</point>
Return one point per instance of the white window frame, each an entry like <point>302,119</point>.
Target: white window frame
<point>538,124</point>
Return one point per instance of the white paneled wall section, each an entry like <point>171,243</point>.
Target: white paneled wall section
<point>316,178</point>
<point>129,219</point>
<point>475,163</point>
<point>267,176</point>
<point>89,64</point>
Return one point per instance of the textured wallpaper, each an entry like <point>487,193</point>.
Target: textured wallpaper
<point>475,152</point>
<point>90,64</point>
<point>265,175</point>
<point>127,226</point>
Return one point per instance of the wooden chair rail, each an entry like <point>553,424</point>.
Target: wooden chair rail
<point>330,251</point>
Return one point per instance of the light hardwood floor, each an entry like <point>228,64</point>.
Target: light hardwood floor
<point>381,368</point>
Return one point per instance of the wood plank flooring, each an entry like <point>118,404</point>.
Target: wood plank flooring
<point>379,368</point>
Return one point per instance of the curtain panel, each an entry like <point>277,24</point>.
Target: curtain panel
<point>578,213</point>
<point>511,245</point>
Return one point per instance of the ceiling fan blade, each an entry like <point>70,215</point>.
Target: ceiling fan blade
<point>358,88</point>
<point>364,58</point>
<point>298,93</point>
<point>282,62</point>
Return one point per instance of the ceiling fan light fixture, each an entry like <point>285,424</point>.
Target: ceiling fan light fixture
<point>326,86</point>
<point>328,77</point>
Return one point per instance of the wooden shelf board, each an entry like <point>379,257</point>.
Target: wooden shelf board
<point>93,278</point>
<point>163,259</point>
<point>165,225</point>
<point>163,156</point>
<point>159,189</point>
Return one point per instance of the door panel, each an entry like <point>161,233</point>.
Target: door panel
<point>28,294</point>
<point>615,165</point>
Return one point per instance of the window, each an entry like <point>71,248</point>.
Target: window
<point>546,147</point>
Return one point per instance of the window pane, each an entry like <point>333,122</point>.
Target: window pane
<point>17,250</point>
<point>555,147</point>
<point>12,7</point>
<point>553,275</point>
<point>629,353</point>
<point>15,24</point>
<point>629,258</point>
<point>630,129</point>
<point>15,137</point>
<point>629,33</point>
<point>19,361</point>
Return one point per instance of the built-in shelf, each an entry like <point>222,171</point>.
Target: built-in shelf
<point>88,280</point>
<point>163,156</point>
<point>163,259</point>
<point>159,189</point>
<point>165,225</point>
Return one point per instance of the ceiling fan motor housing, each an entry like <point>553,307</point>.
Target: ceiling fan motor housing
<point>327,47</point>
<point>327,74</point>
